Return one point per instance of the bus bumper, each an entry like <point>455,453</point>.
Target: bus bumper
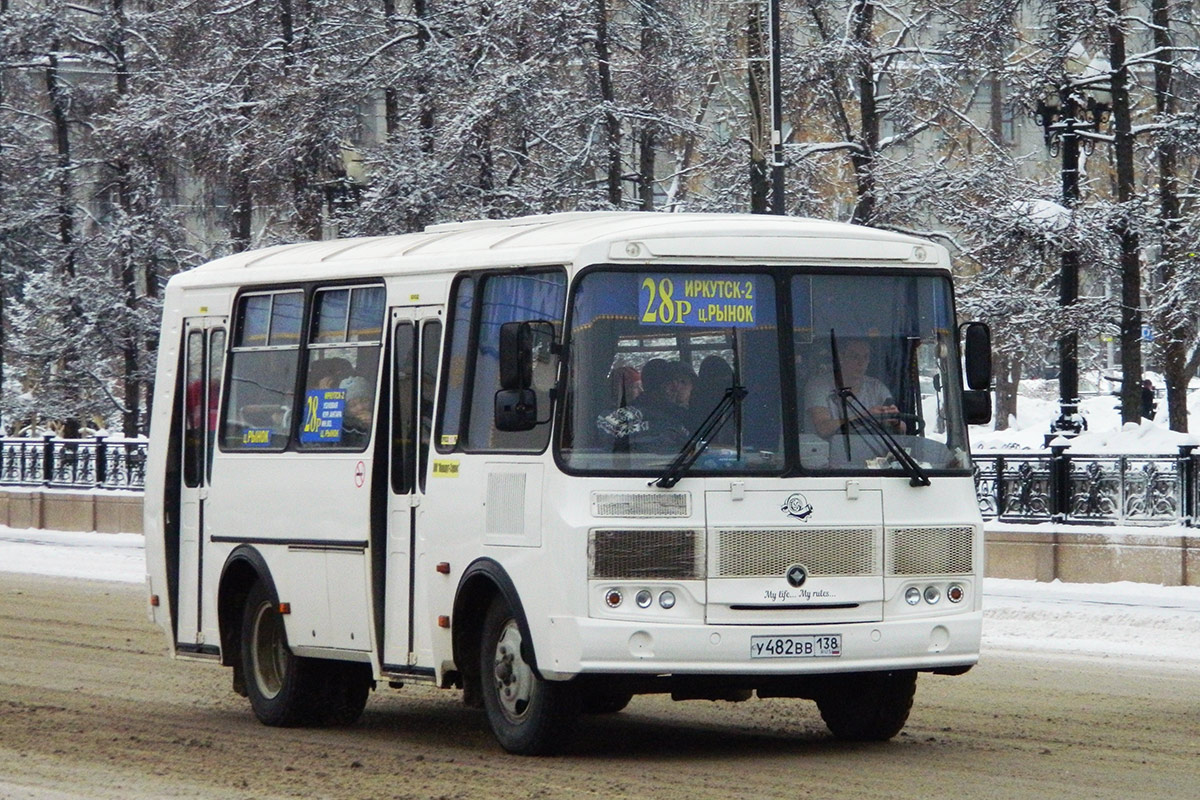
<point>583,645</point>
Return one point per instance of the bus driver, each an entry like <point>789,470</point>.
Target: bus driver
<point>826,410</point>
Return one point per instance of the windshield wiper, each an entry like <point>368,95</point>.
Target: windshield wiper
<point>916,475</point>
<point>698,442</point>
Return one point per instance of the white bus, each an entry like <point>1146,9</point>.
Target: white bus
<point>562,460</point>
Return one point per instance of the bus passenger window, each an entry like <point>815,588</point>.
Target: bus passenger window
<point>342,367</point>
<point>262,375</point>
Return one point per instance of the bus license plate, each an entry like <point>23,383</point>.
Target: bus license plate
<point>829,646</point>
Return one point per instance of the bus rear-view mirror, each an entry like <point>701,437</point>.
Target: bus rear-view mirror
<point>525,354</point>
<point>516,409</point>
<point>977,348</point>
<point>977,357</point>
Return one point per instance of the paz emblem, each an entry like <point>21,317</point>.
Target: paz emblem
<point>797,506</point>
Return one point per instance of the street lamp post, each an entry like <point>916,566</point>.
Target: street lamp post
<point>1064,117</point>
<point>778,205</point>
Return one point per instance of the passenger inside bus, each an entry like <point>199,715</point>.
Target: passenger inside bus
<point>662,408</point>
<point>328,373</point>
<point>356,419</point>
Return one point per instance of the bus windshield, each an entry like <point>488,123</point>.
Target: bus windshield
<point>794,371</point>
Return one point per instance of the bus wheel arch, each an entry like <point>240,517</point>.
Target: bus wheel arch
<point>244,567</point>
<point>481,583</point>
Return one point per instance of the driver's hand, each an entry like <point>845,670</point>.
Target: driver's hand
<point>887,413</point>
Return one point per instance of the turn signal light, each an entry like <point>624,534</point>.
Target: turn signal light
<point>955,593</point>
<point>612,598</point>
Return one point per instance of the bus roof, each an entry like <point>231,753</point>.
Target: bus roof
<point>562,238</point>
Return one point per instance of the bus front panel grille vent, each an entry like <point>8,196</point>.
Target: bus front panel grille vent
<point>930,551</point>
<point>646,554</point>
<point>641,504</point>
<point>769,553</point>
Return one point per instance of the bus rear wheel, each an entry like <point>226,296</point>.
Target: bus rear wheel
<point>527,715</point>
<point>286,690</point>
<point>867,706</point>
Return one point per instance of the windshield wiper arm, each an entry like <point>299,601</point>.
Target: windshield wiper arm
<point>698,442</point>
<point>916,475</point>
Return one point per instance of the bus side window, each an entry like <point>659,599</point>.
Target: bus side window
<point>342,367</point>
<point>262,375</point>
<point>462,305</point>
<point>511,298</point>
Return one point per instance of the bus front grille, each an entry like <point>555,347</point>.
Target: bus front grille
<point>930,550</point>
<point>769,553</point>
<point>644,554</point>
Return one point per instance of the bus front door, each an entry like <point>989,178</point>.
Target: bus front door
<point>416,347</point>
<point>204,358</point>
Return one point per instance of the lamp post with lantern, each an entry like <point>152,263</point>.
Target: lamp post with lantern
<point>1065,116</point>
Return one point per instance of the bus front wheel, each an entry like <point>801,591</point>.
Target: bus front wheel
<point>867,706</point>
<point>527,715</point>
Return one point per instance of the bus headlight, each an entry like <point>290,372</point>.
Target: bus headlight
<point>667,599</point>
<point>643,598</point>
<point>912,595</point>
<point>932,594</point>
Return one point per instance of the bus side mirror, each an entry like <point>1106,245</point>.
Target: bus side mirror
<point>977,347</point>
<point>516,409</point>
<point>525,367</point>
<point>977,407</point>
<point>977,350</point>
<point>525,355</point>
<point>516,355</point>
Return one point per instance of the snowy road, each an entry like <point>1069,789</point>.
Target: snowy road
<point>1082,692</point>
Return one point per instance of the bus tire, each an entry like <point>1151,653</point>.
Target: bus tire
<point>602,699</point>
<point>345,686</point>
<point>527,715</point>
<point>867,706</point>
<point>284,689</point>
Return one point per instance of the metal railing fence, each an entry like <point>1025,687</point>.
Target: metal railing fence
<point>1058,486</point>
<point>1088,489</point>
<point>94,463</point>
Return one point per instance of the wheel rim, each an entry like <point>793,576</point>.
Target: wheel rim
<point>269,654</point>
<point>513,678</point>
